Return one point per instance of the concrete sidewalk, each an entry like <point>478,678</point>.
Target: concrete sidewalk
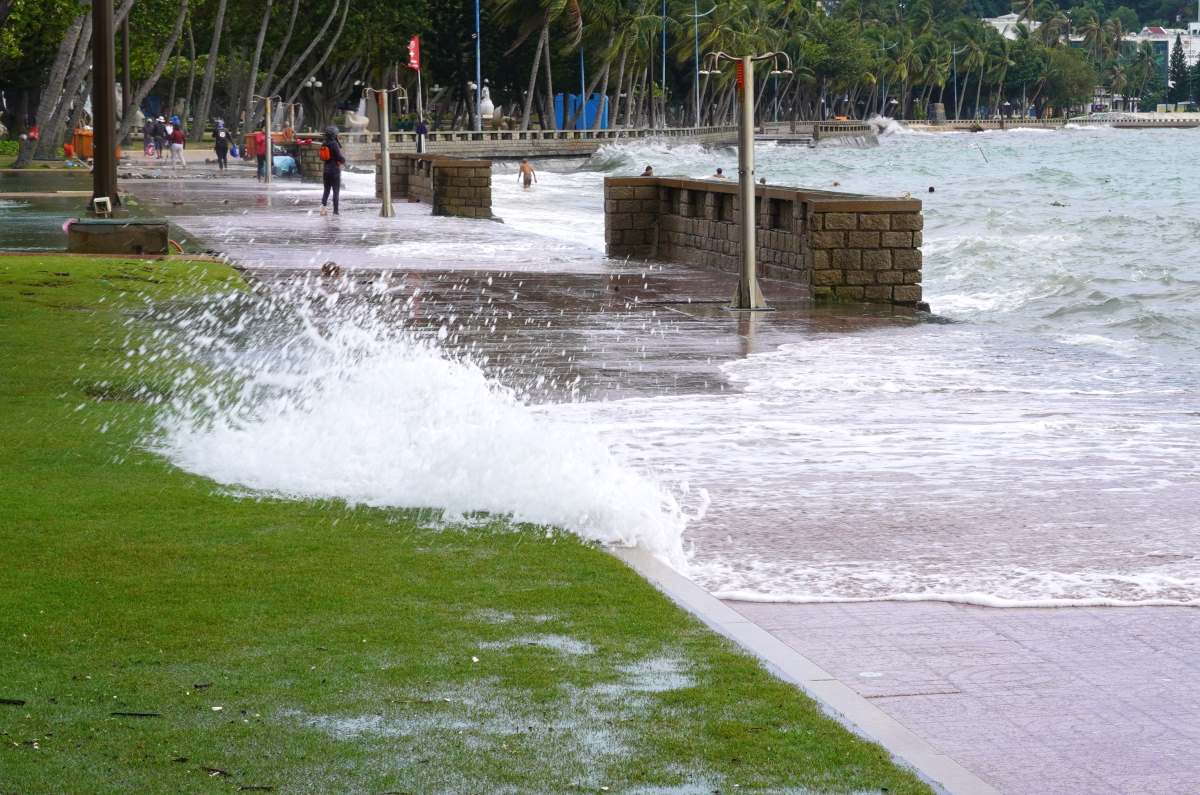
<point>1036,701</point>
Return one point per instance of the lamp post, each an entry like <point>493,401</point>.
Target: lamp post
<point>748,295</point>
<point>696,16</point>
<point>385,165</point>
<point>310,83</point>
<point>479,75</point>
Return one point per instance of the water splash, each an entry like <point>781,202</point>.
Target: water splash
<point>326,392</point>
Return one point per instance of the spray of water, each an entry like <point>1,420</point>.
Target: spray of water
<point>327,390</point>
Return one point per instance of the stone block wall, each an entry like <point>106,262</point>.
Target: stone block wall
<point>451,186</point>
<point>843,246</point>
<point>860,253</point>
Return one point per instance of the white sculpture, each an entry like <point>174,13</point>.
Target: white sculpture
<point>357,121</point>
<point>486,108</point>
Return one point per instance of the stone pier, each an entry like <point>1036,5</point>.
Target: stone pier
<point>843,246</point>
<point>451,186</point>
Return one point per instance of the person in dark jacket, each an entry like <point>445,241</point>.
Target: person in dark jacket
<point>333,169</point>
<point>221,146</point>
<point>160,136</point>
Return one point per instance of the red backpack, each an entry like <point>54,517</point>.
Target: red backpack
<point>325,153</point>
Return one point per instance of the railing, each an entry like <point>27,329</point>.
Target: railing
<point>496,136</point>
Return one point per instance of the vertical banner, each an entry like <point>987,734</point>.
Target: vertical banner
<point>741,77</point>
<point>414,53</point>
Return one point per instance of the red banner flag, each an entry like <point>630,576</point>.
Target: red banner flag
<point>414,53</point>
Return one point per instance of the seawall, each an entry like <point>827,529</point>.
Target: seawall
<point>844,247</point>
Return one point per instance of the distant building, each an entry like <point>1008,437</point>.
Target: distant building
<point>1162,41</point>
<point>1006,25</point>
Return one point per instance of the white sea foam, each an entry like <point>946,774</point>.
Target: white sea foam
<point>350,408</point>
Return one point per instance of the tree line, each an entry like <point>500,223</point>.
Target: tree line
<point>207,59</point>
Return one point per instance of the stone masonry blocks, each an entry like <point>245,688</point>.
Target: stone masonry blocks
<point>845,247</point>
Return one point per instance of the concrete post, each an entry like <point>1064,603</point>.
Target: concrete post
<point>386,210</point>
<point>748,295</point>
<point>270,143</point>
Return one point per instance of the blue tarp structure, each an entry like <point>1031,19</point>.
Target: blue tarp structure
<point>586,119</point>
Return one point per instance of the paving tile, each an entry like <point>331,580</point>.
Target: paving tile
<point>1041,701</point>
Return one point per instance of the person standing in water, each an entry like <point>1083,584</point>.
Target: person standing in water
<point>331,154</point>
<point>525,174</point>
<point>221,146</point>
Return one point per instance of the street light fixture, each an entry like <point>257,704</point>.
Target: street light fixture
<point>748,295</point>
<point>267,124</point>
<point>385,165</point>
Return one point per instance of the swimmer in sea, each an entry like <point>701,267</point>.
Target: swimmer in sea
<point>526,174</point>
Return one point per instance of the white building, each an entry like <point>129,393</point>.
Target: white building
<point>1006,25</point>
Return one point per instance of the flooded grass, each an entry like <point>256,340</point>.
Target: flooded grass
<point>165,635</point>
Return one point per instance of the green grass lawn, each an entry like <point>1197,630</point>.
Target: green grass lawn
<point>166,637</point>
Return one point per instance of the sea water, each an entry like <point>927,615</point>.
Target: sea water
<point>1039,448</point>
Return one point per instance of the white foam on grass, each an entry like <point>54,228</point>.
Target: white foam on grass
<point>352,406</point>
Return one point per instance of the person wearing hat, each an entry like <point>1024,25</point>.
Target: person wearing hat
<point>221,145</point>
<point>160,136</point>
<point>331,154</point>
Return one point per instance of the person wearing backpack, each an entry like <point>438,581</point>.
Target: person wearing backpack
<point>221,146</point>
<point>331,155</point>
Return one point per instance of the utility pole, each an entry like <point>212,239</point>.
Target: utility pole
<point>104,100</point>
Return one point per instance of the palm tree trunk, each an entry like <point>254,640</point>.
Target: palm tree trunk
<point>537,59</point>
<point>337,34</point>
<point>603,98</point>
<point>279,51</point>
<point>614,112</point>
<point>258,45</point>
<point>549,83</point>
<point>191,93</point>
<point>210,71</point>
<point>978,88</point>
<point>52,131</point>
<point>149,82</point>
<point>175,74</point>
<point>52,93</point>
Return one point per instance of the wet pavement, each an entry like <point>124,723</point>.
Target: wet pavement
<point>1066,700</point>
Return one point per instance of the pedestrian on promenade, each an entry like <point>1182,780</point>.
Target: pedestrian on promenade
<point>160,136</point>
<point>260,152</point>
<point>422,129</point>
<point>526,174</point>
<point>178,139</point>
<point>331,154</point>
<point>221,146</point>
<point>148,137</point>
<point>649,172</point>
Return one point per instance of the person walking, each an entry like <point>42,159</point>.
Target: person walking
<point>525,174</point>
<point>331,154</point>
<point>260,153</point>
<point>422,129</point>
<point>178,139</point>
<point>160,137</point>
<point>148,138</point>
<point>221,146</point>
